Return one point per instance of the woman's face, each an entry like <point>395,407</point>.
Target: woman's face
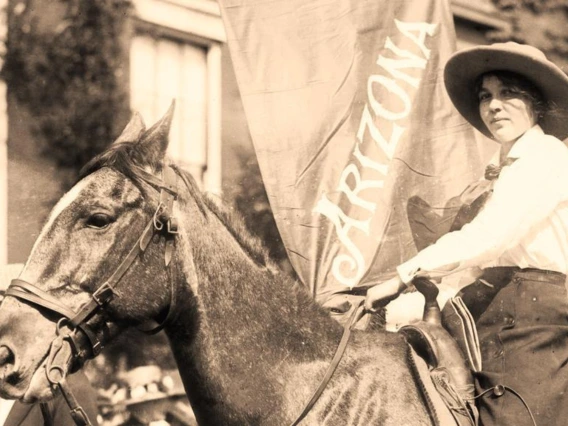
<point>506,113</point>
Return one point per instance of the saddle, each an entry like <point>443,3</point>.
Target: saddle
<point>436,356</point>
<point>450,358</point>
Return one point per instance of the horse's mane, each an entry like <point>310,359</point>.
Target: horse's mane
<point>123,158</point>
<point>234,224</point>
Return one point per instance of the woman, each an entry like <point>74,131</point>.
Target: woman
<point>513,94</point>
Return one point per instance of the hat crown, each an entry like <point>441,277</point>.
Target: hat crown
<point>520,49</point>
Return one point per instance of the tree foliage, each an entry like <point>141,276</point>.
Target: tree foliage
<point>540,23</point>
<point>252,202</point>
<point>67,75</point>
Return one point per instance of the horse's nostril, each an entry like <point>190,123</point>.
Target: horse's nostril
<point>6,356</point>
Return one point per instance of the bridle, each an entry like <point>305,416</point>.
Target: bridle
<point>72,327</point>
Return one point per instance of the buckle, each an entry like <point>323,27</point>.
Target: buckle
<point>103,294</point>
<point>160,216</point>
<point>80,416</point>
<point>173,226</point>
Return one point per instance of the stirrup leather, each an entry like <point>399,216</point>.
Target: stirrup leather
<point>449,370</point>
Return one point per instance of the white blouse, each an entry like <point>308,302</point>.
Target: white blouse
<point>524,223</point>
<point>5,407</point>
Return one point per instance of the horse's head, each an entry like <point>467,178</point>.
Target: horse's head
<point>84,280</point>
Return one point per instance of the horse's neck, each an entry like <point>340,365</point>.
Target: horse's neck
<point>248,330</point>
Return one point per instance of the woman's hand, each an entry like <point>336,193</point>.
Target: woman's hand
<point>381,294</point>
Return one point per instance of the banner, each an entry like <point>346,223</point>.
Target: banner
<point>359,146</point>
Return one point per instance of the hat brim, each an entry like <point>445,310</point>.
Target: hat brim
<point>463,69</point>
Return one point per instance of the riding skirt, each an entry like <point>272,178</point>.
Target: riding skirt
<point>522,322</point>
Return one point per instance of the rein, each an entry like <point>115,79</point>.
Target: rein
<point>73,328</point>
<point>68,327</point>
<point>355,316</point>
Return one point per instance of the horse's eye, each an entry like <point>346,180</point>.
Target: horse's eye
<point>99,221</point>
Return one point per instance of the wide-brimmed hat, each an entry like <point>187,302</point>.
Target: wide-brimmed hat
<point>464,67</point>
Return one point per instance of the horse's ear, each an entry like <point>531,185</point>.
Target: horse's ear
<point>154,142</point>
<point>133,130</point>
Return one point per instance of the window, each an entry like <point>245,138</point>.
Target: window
<point>163,70</point>
<point>176,55</point>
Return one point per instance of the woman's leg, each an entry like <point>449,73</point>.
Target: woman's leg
<point>524,342</point>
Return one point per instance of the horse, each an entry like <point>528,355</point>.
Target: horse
<point>250,343</point>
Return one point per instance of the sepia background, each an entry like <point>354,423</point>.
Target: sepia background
<point>75,70</point>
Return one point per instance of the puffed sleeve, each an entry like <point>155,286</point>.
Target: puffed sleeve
<point>524,195</point>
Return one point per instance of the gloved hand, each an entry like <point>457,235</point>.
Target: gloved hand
<point>382,293</point>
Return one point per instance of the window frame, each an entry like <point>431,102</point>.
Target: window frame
<point>196,22</point>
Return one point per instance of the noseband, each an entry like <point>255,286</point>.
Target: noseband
<point>71,322</point>
<point>73,327</point>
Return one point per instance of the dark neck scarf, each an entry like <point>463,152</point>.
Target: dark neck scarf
<point>492,171</point>
<point>476,195</point>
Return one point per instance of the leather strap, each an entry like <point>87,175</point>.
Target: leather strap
<point>499,390</point>
<point>26,291</point>
<point>355,316</point>
<point>47,421</point>
<point>162,216</point>
<point>56,369</point>
<point>72,321</point>
<point>23,290</point>
<point>153,327</point>
<point>159,184</point>
<point>77,412</point>
<point>107,291</point>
